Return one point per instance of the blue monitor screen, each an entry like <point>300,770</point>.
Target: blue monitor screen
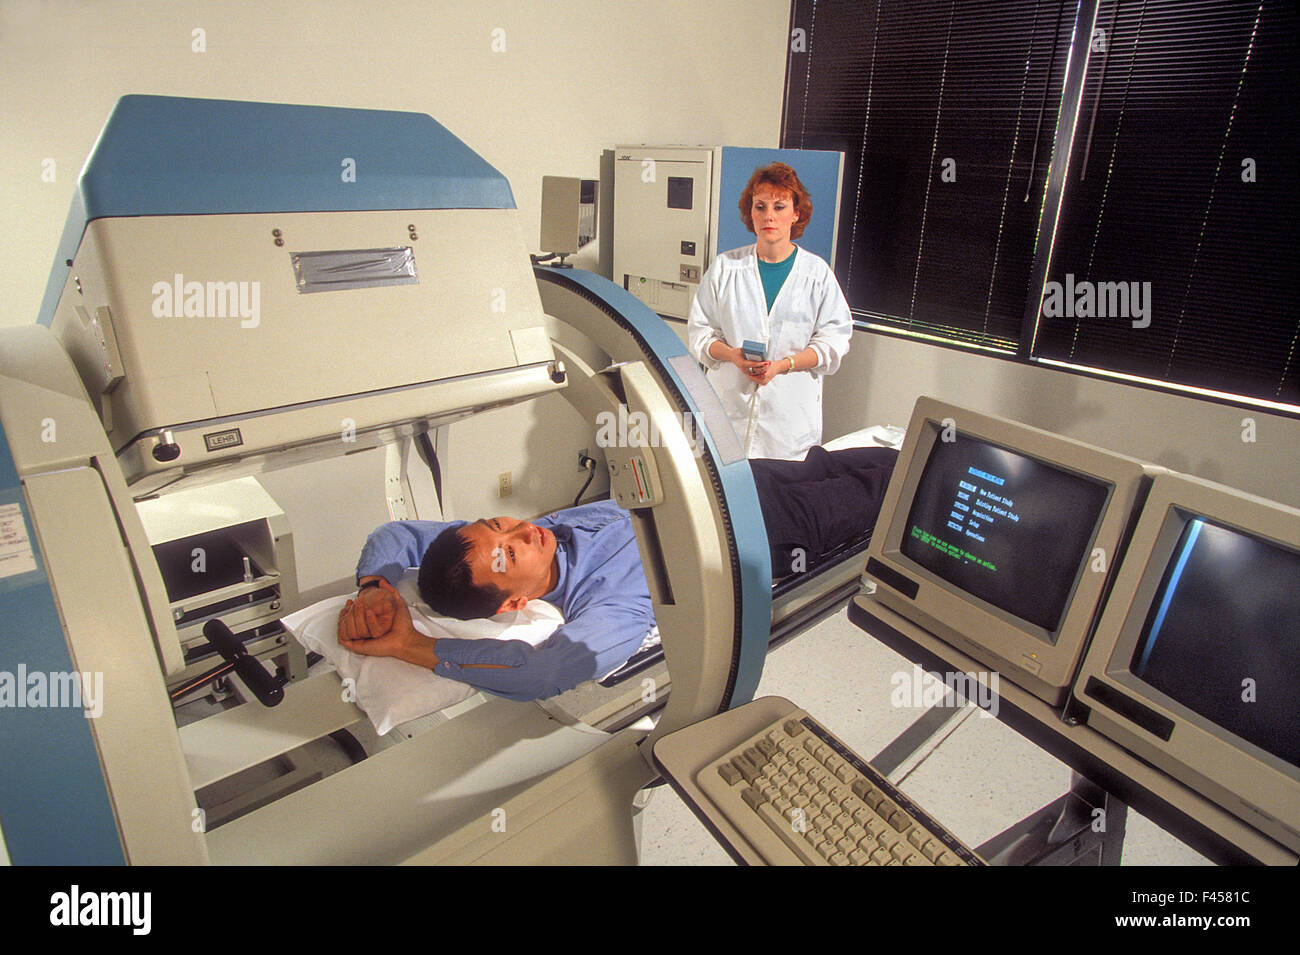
<point>1222,636</point>
<point>1006,528</point>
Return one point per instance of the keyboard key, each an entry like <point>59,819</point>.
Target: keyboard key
<point>900,820</point>
<point>782,827</point>
<point>730,773</point>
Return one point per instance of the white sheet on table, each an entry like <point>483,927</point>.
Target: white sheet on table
<point>877,436</point>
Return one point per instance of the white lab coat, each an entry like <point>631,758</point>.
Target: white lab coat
<point>809,311</point>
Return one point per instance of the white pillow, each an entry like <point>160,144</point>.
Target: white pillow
<point>392,691</point>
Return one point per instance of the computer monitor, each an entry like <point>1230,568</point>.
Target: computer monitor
<point>999,539</point>
<point>1195,664</point>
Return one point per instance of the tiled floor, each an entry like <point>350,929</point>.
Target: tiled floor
<point>979,779</point>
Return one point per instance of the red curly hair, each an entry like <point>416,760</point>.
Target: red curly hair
<point>782,178</point>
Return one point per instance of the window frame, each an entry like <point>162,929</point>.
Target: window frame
<point>1078,63</point>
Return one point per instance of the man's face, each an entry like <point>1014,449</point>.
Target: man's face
<point>513,555</point>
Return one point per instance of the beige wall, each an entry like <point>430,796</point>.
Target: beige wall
<point>572,80</point>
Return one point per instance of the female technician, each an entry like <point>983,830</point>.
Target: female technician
<point>786,300</point>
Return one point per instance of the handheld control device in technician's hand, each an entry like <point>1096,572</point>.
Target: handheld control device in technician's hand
<point>754,351</point>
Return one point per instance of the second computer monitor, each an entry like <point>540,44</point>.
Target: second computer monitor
<point>999,539</point>
<point>1195,663</point>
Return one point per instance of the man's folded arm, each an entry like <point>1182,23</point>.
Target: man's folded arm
<point>585,648</point>
<point>393,547</point>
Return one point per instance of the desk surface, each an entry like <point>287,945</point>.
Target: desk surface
<point>1201,824</point>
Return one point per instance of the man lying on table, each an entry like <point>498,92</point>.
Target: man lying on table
<point>585,561</point>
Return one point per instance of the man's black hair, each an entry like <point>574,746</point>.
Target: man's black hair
<point>447,584</point>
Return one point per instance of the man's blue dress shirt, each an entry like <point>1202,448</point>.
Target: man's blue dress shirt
<point>601,592</point>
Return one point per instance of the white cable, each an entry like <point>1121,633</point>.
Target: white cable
<point>750,427</point>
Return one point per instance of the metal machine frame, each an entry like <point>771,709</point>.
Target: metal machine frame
<point>505,781</point>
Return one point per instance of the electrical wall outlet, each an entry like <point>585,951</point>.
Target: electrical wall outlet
<point>503,484</point>
<point>582,455</point>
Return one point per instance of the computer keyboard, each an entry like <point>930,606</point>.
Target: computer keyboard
<point>798,794</point>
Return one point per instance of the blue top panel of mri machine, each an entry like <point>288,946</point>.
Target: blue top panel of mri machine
<point>168,155</point>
